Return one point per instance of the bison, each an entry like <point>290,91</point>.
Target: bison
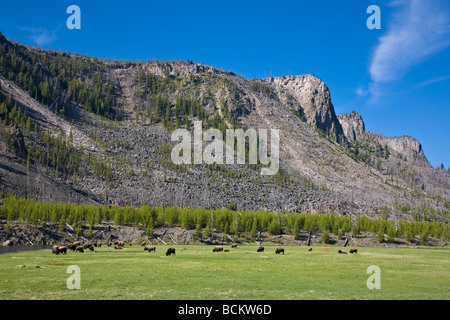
<point>234,245</point>
<point>218,249</point>
<point>118,247</point>
<point>150,249</point>
<point>98,244</point>
<point>342,251</point>
<point>260,249</point>
<point>119,243</point>
<point>279,250</point>
<point>55,249</point>
<point>59,249</point>
<point>170,251</point>
<point>72,246</point>
<point>143,243</point>
<point>353,250</point>
<point>89,246</point>
<point>79,249</point>
<point>309,249</point>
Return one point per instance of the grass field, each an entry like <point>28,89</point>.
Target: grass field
<point>198,273</point>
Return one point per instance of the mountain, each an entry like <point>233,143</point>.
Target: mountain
<point>79,129</point>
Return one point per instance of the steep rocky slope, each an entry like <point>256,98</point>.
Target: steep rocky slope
<point>115,119</point>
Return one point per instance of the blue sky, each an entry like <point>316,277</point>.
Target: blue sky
<point>397,77</point>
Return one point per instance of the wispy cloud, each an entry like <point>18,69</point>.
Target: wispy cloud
<point>434,80</point>
<point>361,92</point>
<point>41,36</point>
<point>420,29</point>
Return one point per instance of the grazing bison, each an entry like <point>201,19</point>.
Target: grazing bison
<point>86,245</point>
<point>62,249</point>
<point>226,250</point>
<point>218,249</point>
<point>143,243</point>
<point>77,243</point>
<point>118,247</point>
<point>260,249</point>
<point>119,243</point>
<point>89,246</point>
<point>150,249</point>
<point>79,249</point>
<point>59,249</point>
<point>353,250</point>
<point>170,251</point>
<point>55,249</point>
<point>279,250</point>
<point>98,244</point>
<point>342,251</point>
<point>234,245</point>
<point>72,246</point>
<point>309,249</point>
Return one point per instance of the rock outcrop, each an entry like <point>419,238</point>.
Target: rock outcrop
<point>310,98</point>
<point>405,148</point>
<point>353,126</point>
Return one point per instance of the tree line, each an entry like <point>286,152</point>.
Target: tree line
<point>238,224</point>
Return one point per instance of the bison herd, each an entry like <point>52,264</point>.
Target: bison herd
<point>77,246</point>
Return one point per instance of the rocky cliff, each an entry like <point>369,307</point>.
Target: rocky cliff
<point>310,98</point>
<point>100,131</point>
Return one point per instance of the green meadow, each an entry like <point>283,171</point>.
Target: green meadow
<point>195,272</point>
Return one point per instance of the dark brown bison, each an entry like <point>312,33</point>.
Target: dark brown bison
<point>77,243</point>
<point>79,249</point>
<point>109,244</point>
<point>72,246</point>
<point>89,246</point>
<point>342,251</point>
<point>86,245</point>
<point>170,251</point>
<point>226,250</point>
<point>279,250</point>
<point>150,248</point>
<point>353,250</point>
<point>98,244</point>
<point>118,247</point>
<point>59,249</point>
<point>143,243</point>
<point>309,249</point>
<point>234,245</point>
<point>217,249</point>
<point>260,249</point>
<point>119,243</point>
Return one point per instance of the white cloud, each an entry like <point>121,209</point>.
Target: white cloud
<point>41,36</point>
<point>361,92</point>
<point>434,80</point>
<point>420,29</point>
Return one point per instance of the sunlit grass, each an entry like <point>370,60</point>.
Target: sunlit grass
<point>198,273</point>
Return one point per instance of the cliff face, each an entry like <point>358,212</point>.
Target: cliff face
<point>111,138</point>
<point>353,126</point>
<point>404,148</point>
<point>310,97</point>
